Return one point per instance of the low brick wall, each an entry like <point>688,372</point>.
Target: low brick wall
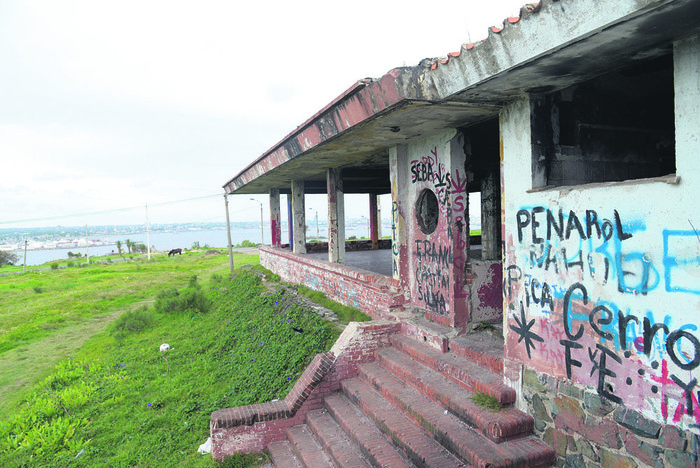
<point>372,293</point>
<point>251,428</point>
<point>587,430</point>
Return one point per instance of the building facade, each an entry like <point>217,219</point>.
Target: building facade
<point>579,125</point>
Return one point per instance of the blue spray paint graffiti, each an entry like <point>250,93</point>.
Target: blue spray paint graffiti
<point>676,261</point>
<point>563,261</point>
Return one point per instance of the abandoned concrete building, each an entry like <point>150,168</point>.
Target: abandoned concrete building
<point>578,122</point>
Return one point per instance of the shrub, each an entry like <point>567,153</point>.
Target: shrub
<point>134,321</point>
<point>54,266</point>
<point>246,243</point>
<point>8,258</point>
<point>189,300</point>
<point>38,289</point>
<point>192,282</point>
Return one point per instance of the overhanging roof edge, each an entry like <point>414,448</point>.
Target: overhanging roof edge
<point>364,100</point>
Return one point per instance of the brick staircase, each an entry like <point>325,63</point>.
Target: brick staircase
<point>412,406</point>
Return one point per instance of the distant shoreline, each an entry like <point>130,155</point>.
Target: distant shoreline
<point>80,247</point>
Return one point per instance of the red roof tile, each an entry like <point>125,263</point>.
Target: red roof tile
<point>524,10</point>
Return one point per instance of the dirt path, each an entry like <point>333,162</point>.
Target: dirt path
<point>22,367</point>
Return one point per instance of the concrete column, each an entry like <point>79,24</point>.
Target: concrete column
<point>336,217</point>
<point>491,217</point>
<point>373,221</point>
<point>398,168</point>
<point>275,221</point>
<point>686,76</point>
<point>298,217</point>
<point>290,224</point>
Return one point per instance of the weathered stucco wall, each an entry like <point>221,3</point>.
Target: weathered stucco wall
<point>485,297</point>
<point>602,290</point>
<point>430,259</point>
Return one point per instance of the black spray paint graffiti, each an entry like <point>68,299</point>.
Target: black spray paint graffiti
<point>428,169</point>
<point>601,315</point>
<point>394,237</point>
<point>616,332</point>
<point>524,331</point>
<point>613,327</point>
<point>555,225</point>
<point>433,274</point>
<point>433,262</point>
<point>544,229</point>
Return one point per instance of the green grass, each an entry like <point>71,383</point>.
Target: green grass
<point>121,402</point>
<point>38,329</point>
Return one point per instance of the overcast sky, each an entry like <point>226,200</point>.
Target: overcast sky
<point>106,106</point>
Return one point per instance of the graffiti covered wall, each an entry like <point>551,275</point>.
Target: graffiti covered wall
<point>428,225</point>
<point>601,284</point>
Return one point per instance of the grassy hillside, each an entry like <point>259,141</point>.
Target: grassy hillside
<point>82,380</point>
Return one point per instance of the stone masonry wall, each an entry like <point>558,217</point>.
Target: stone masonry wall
<point>589,431</point>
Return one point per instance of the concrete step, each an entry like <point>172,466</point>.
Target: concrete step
<point>377,449</point>
<point>336,443</point>
<point>417,444</point>
<point>445,428</point>
<point>461,371</point>
<point>498,426</point>
<point>307,449</point>
<point>282,455</point>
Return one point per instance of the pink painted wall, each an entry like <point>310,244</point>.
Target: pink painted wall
<point>431,264</point>
<point>486,291</point>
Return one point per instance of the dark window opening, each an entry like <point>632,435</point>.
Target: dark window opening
<point>482,169</point>
<point>427,211</point>
<point>616,127</point>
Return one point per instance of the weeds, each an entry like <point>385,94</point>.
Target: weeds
<point>131,322</point>
<point>486,401</point>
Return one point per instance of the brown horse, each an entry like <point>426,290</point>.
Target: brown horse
<point>175,251</point>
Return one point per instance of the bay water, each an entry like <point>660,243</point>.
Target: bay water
<point>167,240</point>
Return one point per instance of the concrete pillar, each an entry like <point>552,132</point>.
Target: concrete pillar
<point>336,217</point>
<point>398,168</point>
<point>686,76</point>
<point>298,217</point>
<point>491,217</point>
<point>290,224</point>
<point>275,221</point>
<point>373,220</point>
